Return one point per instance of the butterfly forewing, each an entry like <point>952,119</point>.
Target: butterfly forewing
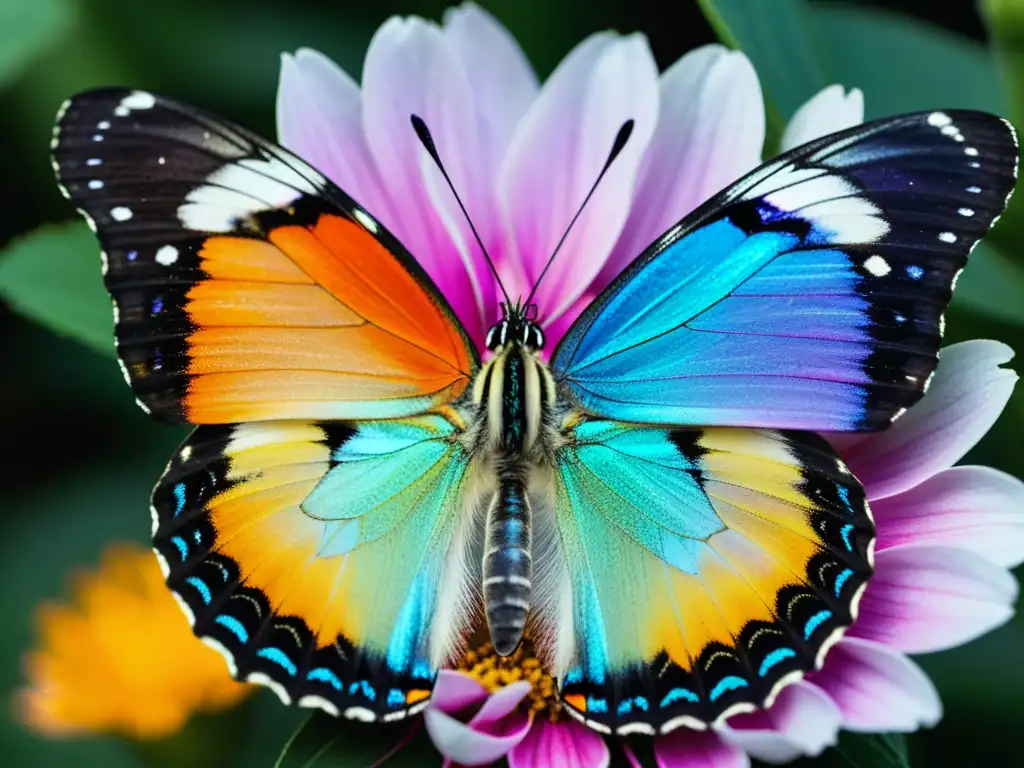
<point>809,294</point>
<point>246,286</point>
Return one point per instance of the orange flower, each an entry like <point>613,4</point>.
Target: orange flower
<point>121,657</point>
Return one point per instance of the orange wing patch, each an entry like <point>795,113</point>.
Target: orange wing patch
<point>316,322</point>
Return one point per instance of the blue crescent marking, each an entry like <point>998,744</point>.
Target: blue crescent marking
<point>234,626</point>
<point>816,621</point>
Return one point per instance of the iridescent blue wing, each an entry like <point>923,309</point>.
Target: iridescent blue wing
<point>705,569</point>
<point>313,555</point>
<point>810,294</point>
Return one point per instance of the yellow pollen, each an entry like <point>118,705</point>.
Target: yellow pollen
<point>493,672</point>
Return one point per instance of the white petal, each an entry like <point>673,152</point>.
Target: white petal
<point>831,109</point>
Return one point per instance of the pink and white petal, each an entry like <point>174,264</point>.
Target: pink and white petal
<point>979,509</point>
<point>571,127</point>
<point>567,744</point>
<point>831,109</point>
<point>878,688</point>
<point>925,598</point>
<point>684,748</point>
<point>462,744</point>
<point>501,704</point>
<point>803,720</point>
<point>454,692</point>
<point>411,69</point>
<point>320,118</point>
<point>710,132</point>
<point>503,82</point>
<point>966,396</point>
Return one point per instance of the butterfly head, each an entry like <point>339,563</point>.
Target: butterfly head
<point>517,326</point>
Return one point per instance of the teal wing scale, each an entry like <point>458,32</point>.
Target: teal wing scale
<point>314,555</point>
<point>708,567</point>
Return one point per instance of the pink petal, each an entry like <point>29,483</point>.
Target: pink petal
<point>500,76</point>
<point>566,744</point>
<point>556,330</point>
<point>710,132</point>
<point>683,748</point>
<point>974,508</point>
<point>465,745</point>
<point>455,691</point>
<point>878,688</point>
<point>555,155</point>
<point>320,118</point>
<point>501,704</point>
<point>926,598</point>
<point>411,69</point>
<point>831,109</point>
<point>803,720</point>
<point>966,396</point>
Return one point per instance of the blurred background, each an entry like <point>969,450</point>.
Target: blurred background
<point>79,458</point>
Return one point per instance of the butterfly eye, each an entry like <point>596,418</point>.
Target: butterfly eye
<point>497,335</point>
<point>533,337</point>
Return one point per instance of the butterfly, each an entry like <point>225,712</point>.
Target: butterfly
<point>652,506</point>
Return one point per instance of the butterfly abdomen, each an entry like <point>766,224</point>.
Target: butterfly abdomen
<point>508,563</point>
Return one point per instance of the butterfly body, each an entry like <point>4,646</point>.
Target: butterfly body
<point>651,506</point>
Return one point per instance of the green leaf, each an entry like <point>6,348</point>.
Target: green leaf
<point>53,277</point>
<point>992,285</point>
<point>887,750</point>
<point>779,40</point>
<point>907,64</point>
<point>328,742</point>
<point>27,29</point>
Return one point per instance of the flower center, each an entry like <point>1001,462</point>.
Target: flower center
<point>493,672</point>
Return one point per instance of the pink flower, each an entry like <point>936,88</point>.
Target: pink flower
<point>522,157</point>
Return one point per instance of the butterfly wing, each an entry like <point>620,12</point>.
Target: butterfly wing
<point>706,567</point>
<point>810,294</point>
<point>246,286</point>
<point>313,554</point>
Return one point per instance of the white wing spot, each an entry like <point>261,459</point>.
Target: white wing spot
<point>138,100</point>
<point>974,190</point>
<point>947,237</point>
<point>120,111</point>
<point>965,212</point>
<point>103,125</point>
<point>877,266</point>
<point>161,160</point>
<point>970,151</point>
<point>120,213</point>
<point>97,137</point>
<point>939,119</point>
<point>166,255</point>
<point>95,184</point>
<point>974,164</point>
<point>94,161</point>
<point>366,220</point>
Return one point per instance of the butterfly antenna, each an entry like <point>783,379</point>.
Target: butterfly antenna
<point>428,143</point>
<point>620,141</point>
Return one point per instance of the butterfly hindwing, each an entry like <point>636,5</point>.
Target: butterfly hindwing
<point>246,285</point>
<point>708,567</point>
<point>313,554</point>
<point>808,295</point>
